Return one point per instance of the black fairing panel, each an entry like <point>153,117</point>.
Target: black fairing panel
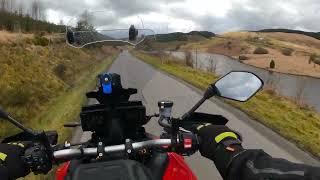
<point>112,170</point>
<point>198,117</point>
<point>158,165</point>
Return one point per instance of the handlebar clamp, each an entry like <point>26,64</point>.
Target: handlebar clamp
<point>100,149</point>
<point>129,148</point>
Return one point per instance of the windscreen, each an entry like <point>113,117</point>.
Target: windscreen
<point>96,27</point>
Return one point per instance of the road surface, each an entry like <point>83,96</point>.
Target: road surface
<point>153,86</point>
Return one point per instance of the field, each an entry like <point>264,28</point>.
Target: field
<point>235,44</point>
<point>297,123</point>
<point>35,78</point>
<point>7,37</point>
<point>170,42</point>
<point>44,84</point>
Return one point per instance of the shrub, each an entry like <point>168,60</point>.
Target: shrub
<point>243,58</point>
<point>41,33</point>
<point>60,71</point>
<point>260,50</point>
<point>229,45</point>
<point>40,41</point>
<point>19,96</point>
<point>287,51</point>
<point>188,57</point>
<point>177,47</point>
<point>315,58</point>
<point>272,64</point>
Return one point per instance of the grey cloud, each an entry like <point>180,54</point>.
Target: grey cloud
<point>127,8</point>
<point>255,15</point>
<point>251,15</point>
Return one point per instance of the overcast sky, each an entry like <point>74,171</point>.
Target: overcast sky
<point>186,15</point>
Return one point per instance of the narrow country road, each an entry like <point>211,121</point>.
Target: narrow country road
<point>153,86</point>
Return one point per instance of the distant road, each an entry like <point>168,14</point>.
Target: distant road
<point>153,86</point>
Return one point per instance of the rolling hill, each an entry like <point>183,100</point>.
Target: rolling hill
<point>311,34</point>
<point>294,52</point>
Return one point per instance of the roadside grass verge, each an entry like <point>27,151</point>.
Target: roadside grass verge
<point>32,77</point>
<point>68,105</point>
<point>197,78</point>
<point>44,85</point>
<point>67,108</point>
<point>296,123</point>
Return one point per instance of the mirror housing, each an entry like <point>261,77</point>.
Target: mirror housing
<point>237,85</point>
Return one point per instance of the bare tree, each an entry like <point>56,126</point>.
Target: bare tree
<point>12,6</point>
<point>272,81</point>
<point>300,91</point>
<point>61,22</point>
<point>212,65</point>
<point>85,22</point>
<point>188,59</point>
<point>3,5</point>
<point>37,10</point>
<point>20,9</point>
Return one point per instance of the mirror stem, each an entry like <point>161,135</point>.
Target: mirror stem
<point>194,108</point>
<point>20,126</point>
<point>210,92</point>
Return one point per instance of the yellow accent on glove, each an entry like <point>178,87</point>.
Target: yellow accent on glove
<point>224,135</point>
<point>17,144</point>
<point>203,125</point>
<point>3,156</point>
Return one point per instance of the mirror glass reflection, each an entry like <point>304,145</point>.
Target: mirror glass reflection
<point>239,86</point>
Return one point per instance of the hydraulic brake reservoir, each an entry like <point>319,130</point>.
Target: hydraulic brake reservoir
<point>165,109</point>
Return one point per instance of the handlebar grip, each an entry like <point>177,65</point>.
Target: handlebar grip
<point>37,159</point>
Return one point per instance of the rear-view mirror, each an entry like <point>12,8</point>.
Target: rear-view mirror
<point>239,86</point>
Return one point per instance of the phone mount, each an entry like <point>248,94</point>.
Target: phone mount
<point>110,90</point>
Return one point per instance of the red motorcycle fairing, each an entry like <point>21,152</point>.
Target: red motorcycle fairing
<point>176,169</point>
<point>62,171</point>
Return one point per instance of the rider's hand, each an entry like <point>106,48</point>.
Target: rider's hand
<point>220,144</point>
<point>11,158</point>
<point>213,135</point>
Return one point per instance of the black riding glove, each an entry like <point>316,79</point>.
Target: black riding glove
<point>11,159</point>
<point>220,144</point>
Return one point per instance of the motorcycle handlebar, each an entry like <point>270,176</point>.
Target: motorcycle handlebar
<point>73,153</point>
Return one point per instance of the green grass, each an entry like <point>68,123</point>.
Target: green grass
<point>44,86</point>
<point>29,81</point>
<point>297,123</point>
<point>68,105</point>
<point>197,78</point>
<point>67,108</point>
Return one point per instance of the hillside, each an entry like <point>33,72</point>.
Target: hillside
<point>173,41</point>
<point>311,34</point>
<point>179,36</point>
<point>292,53</point>
<point>24,23</point>
<point>38,70</point>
